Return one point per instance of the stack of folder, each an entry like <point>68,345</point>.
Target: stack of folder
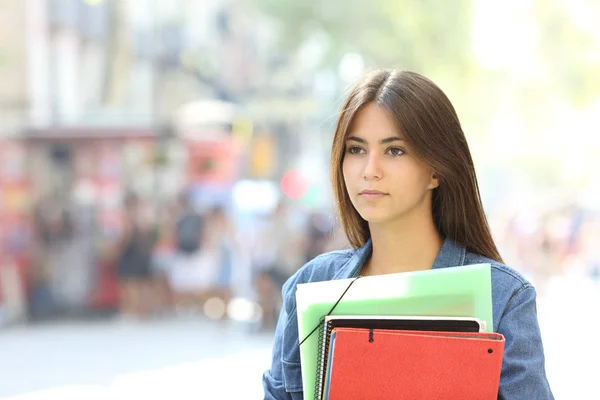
<point>424,334</point>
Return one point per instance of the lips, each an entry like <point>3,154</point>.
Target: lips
<point>372,194</point>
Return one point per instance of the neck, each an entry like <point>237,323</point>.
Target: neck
<point>403,247</point>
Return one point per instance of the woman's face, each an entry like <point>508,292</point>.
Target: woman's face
<point>384,178</point>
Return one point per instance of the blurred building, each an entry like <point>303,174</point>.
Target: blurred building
<point>14,99</point>
<point>14,107</point>
<point>80,134</point>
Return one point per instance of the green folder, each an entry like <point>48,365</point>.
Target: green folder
<point>464,291</point>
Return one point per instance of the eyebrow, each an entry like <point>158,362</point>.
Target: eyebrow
<point>382,141</point>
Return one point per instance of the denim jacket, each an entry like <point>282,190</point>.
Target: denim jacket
<point>514,313</point>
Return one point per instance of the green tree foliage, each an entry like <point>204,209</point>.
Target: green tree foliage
<point>425,35</point>
<point>569,45</point>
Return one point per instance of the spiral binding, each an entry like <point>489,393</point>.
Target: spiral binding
<point>320,362</point>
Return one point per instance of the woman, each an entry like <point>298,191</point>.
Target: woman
<point>408,199</point>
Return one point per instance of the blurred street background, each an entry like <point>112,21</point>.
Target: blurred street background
<point>164,169</point>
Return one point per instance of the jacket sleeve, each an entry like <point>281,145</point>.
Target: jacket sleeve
<point>273,379</point>
<point>523,367</point>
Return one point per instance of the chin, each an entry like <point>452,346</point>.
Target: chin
<point>374,216</point>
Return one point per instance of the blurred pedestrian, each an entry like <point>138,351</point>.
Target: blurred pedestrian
<point>279,252</point>
<point>319,233</point>
<point>194,273</point>
<point>134,264</point>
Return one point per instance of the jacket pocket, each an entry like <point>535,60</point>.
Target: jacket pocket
<point>292,377</point>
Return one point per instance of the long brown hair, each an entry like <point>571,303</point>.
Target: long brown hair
<point>426,117</point>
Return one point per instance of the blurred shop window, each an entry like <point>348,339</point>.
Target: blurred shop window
<point>262,157</point>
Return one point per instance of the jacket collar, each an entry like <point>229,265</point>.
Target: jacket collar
<point>451,255</point>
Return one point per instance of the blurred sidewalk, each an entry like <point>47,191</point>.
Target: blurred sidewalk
<point>122,360</point>
<point>568,315</point>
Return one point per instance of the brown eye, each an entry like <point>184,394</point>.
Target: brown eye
<point>354,150</point>
<point>395,151</point>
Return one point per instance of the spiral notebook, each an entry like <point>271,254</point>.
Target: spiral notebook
<point>404,323</point>
<point>380,364</point>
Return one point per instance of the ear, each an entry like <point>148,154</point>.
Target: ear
<point>434,182</point>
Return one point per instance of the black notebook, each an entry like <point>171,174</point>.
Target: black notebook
<point>412,323</point>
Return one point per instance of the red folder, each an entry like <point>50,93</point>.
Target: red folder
<point>384,364</point>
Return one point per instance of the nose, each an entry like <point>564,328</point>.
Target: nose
<point>373,169</point>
